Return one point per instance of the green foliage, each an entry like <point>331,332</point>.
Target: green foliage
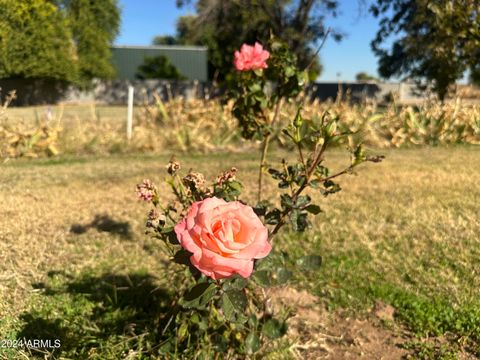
<point>254,97</point>
<point>164,40</point>
<point>158,67</point>
<point>363,76</point>
<point>208,316</point>
<point>438,40</point>
<point>199,296</point>
<point>68,41</point>
<point>432,316</point>
<point>225,25</point>
<point>425,350</point>
<point>348,280</point>
<point>94,24</point>
<point>252,343</point>
<point>35,41</point>
<point>234,303</point>
<point>273,329</point>
<point>311,138</point>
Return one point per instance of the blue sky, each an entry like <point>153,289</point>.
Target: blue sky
<point>143,19</point>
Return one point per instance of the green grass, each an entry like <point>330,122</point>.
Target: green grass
<point>404,231</point>
<point>411,242</point>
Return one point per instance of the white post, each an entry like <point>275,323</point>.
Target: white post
<point>130,112</point>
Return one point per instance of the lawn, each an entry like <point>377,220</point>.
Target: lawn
<point>400,250</point>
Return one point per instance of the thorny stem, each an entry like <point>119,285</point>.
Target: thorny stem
<point>277,111</point>
<point>265,144</point>
<point>309,173</point>
<point>300,153</point>
<point>262,165</point>
<point>344,171</point>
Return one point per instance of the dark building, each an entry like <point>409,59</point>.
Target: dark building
<point>190,61</point>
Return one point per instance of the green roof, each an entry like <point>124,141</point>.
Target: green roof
<point>191,61</point>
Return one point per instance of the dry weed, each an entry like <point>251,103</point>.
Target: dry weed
<point>208,126</point>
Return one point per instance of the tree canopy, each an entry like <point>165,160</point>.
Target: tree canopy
<point>158,67</point>
<point>364,76</point>
<point>165,40</point>
<point>35,41</point>
<point>434,42</point>
<point>94,25</point>
<point>67,40</point>
<point>223,26</point>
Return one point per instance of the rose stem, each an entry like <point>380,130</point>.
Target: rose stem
<point>265,143</point>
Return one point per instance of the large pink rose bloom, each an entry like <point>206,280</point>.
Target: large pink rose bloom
<point>251,57</point>
<point>224,237</point>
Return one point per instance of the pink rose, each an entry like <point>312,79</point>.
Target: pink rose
<point>224,237</point>
<point>251,57</point>
<point>146,190</point>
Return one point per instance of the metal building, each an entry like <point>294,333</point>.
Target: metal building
<point>191,61</point>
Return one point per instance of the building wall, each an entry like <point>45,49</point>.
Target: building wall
<point>115,92</point>
<point>191,61</point>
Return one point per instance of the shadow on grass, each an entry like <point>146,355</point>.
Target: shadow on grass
<point>106,224</point>
<point>97,316</point>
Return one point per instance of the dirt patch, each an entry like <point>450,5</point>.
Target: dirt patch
<point>317,333</point>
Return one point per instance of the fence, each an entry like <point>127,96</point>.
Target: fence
<point>35,92</point>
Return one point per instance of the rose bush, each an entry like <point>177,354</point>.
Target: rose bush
<point>223,246</point>
<point>224,237</point>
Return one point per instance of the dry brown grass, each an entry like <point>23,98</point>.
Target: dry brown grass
<point>415,217</point>
<point>207,125</point>
<point>411,221</point>
<point>417,206</point>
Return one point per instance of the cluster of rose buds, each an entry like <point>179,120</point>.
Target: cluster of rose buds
<point>226,176</point>
<point>194,181</point>
<point>173,167</point>
<point>155,219</point>
<point>146,190</point>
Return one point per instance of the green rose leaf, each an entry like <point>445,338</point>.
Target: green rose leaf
<point>275,173</point>
<point>262,278</point>
<point>286,201</point>
<point>235,186</point>
<point>234,303</point>
<point>220,342</point>
<point>253,321</point>
<point>314,184</point>
<point>311,262</point>
<point>258,72</point>
<point>282,275</point>
<point>255,87</point>
<point>274,329</point>
<point>182,331</point>
<point>261,208</point>
<point>358,155</point>
<point>182,257</point>
<point>172,238</point>
<point>303,201</point>
<point>252,343</point>
<point>313,209</point>
<point>298,220</point>
<point>330,187</point>
<point>199,296</point>
<point>235,283</point>
<point>273,217</point>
